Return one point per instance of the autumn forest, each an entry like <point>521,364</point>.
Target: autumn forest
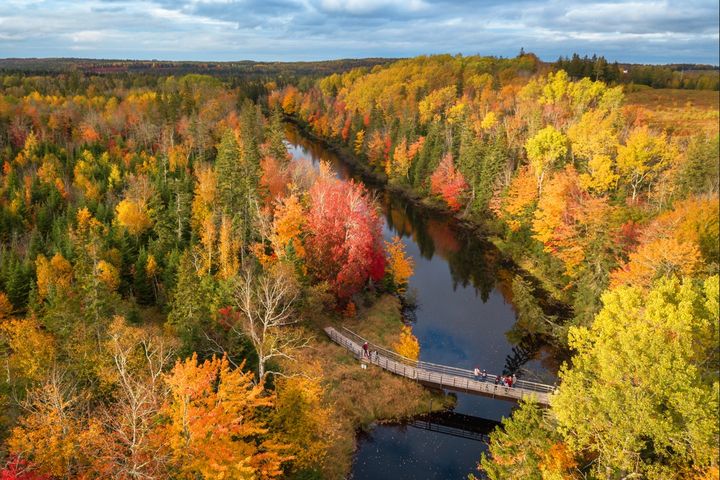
<point>167,267</point>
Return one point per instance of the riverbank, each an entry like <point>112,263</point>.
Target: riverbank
<point>360,398</point>
<point>551,298</point>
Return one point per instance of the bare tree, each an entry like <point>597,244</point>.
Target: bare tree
<point>266,305</point>
<point>129,450</point>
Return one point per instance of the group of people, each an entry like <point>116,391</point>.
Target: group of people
<point>505,380</point>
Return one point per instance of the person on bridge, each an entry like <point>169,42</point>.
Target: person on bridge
<point>484,375</point>
<point>513,379</point>
<point>365,349</point>
<point>476,372</point>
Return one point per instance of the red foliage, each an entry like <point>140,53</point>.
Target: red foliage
<point>345,242</point>
<point>19,469</point>
<point>274,179</point>
<point>448,182</point>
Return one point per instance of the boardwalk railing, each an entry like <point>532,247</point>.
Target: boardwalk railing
<point>442,376</point>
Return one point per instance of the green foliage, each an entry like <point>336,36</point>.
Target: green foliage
<point>642,394</point>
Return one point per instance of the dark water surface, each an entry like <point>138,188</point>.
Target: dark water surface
<point>465,319</point>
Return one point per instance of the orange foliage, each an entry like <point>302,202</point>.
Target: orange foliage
<point>522,194</point>
<point>274,178</point>
<point>215,426</point>
<point>287,227</point>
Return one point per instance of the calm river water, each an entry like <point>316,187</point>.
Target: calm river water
<point>465,319</point>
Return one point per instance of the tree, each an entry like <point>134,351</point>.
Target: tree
<point>265,306</point>
<point>343,245</point>
<point>407,345</point>
<point>276,137</point>
<point>17,468</point>
<point>399,265</point>
<point>215,428</point>
<point>304,421</point>
<point>543,150</point>
<point>448,182</point>
<point>642,158</point>
<point>287,229</point>
<point>527,446</point>
<point>52,432</point>
<point>129,447</point>
<point>623,400</point>
<point>190,315</point>
<point>593,140</point>
<point>133,216</point>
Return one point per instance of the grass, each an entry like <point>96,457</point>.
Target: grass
<point>681,112</point>
<point>362,397</point>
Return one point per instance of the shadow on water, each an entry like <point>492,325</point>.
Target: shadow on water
<point>465,317</point>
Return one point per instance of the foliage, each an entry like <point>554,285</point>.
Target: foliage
<point>407,345</point>
<point>646,373</point>
<point>204,396</point>
<point>527,446</point>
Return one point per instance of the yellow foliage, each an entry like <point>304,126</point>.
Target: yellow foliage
<point>133,216</point>
<point>304,420</point>
<point>408,345</point>
<point>228,249</point>
<point>6,308</point>
<point>52,276</point>
<point>400,265</point>
<point>32,349</point>
<point>151,267</point>
<point>108,274</point>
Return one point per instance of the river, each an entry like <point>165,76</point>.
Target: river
<point>465,318</point>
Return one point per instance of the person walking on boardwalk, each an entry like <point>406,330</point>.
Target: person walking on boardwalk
<point>365,349</point>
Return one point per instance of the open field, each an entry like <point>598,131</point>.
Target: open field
<point>681,112</point>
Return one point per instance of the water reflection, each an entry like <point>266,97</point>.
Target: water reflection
<point>465,311</point>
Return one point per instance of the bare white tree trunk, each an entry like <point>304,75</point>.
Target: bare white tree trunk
<point>266,307</point>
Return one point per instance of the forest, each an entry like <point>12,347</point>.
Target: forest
<point>615,218</point>
<point>166,270</point>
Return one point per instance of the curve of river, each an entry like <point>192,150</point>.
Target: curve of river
<point>465,318</point>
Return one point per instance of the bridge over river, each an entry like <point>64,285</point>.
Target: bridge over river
<point>440,376</point>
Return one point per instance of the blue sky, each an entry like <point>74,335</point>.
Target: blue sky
<point>647,31</point>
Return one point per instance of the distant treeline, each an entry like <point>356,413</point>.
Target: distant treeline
<point>686,76</point>
<point>245,68</point>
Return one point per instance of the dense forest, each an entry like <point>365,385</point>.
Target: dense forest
<point>615,218</point>
<point>163,267</point>
<point>166,270</point>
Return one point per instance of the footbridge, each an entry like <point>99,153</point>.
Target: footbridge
<point>439,376</point>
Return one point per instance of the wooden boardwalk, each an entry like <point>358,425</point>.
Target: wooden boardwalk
<point>439,376</point>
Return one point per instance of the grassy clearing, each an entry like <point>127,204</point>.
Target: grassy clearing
<point>681,112</point>
<point>362,397</point>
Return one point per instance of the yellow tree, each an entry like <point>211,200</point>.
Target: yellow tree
<point>304,421</point>
<point>407,345</point>
<point>399,264</point>
<point>642,158</point>
<point>52,433</point>
<point>133,215</point>
<point>215,426</point>
<point>543,150</point>
<point>593,141</point>
<point>229,249</point>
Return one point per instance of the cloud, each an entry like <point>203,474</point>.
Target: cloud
<point>624,30</point>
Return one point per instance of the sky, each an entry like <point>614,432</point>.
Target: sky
<point>641,31</point>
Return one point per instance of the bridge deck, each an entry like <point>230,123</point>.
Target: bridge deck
<point>440,376</point>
